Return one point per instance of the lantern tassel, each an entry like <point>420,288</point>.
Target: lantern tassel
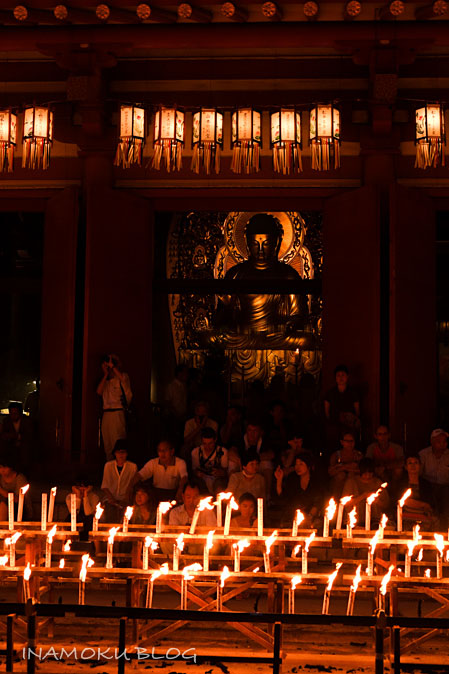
<point>287,157</point>
<point>36,153</point>
<point>321,154</point>
<point>168,153</point>
<point>204,156</point>
<point>430,153</point>
<point>245,157</point>
<point>6,157</point>
<point>129,151</point>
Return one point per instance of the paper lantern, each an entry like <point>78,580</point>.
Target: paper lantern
<point>324,134</point>
<point>169,130</point>
<point>286,140</point>
<point>8,139</point>
<point>37,137</point>
<point>207,140</point>
<point>430,138</point>
<point>246,139</point>
<point>132,136</point>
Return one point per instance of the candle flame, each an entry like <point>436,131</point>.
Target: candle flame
<point>164,506</point>
<point>331,509</point>
<point>256,569</point>
<point>427,573</point>
<point>374,541</point>
<point>205,504</point>
<point>24,489</point>
<point>299,517</point>
<point>296,580</point>
<point>12,540</point>
<point>411,546</point>
<point>53,490</point>
<point>416,535</point>
<point>86,562</point>
<point>308,541</point>
<point>384,485</point>
<point>333,576</point>
<point>439,543</point>
<point>420,555</point>
<point>210,540</point>
<point>180,542</point>
<point>447,555</point>
<point>385,580</point>
<point>4,560</point>
<point>357,578</point>
<point>345,500</point>
<point>224,575</point>
<point>295,551</point>
<point>383,522</point>
<point>162,571</point>
<point>51,534</point>
<point>27,572</point>
<point>98,511</point>
<point>404,498</point>
<point>269,542</point>
<point>62,563</point>
<point>233,504</point>
<point>112,533</point>
<point>149,543</point>
<point>372,497</point>
<point>129,513</point>
<point>241,544</point>
<point>189,571</point>
<point>224,496</point>
<point>353,518</point>
<point>66,546</point>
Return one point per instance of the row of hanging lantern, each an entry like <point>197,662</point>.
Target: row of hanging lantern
<point>37,137</point>
<point>207,138</point>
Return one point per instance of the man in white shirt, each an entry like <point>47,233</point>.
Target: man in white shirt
<point>117,477</point>
<point>183,514</point>
<point>210,462</point>
<point>435,468</point>
<point>168,472</point>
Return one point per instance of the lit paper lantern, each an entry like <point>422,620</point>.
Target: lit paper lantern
<point>8,139</point>
<point>132,136</point>
<point>37,137</point>
<point>286,140</point>
<point>246,138</point>
<point>430,137</point>
<point>169,130</point>
<point>207,140</point>
<point>324,134</point>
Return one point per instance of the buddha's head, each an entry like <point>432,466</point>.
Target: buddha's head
<point>263,239</point>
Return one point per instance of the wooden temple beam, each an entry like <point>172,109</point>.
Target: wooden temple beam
<point>433,11</point>
<point>22,14</point>
<point>232,12</point>
<point>106,13</point>
<point>68,14</point>
<point>147,12</point>
<point>199,14</point>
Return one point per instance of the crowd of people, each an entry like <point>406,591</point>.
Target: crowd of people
<point>254,458</point>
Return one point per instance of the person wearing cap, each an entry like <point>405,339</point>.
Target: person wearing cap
<point>299,489</point>
<point>435,469</point>
<point>248,480</point>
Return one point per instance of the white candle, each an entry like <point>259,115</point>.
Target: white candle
<point>439,565</point>
<point>11,511</point>
<point>26,583</point>
<point>220,585</point>
<point>266,562</point>
<point>408,564</point>
<point>327,592</point>
<point>299,517</point>
<point>325,609</point>
<point>367,517</point>
<point>126,517</point>
<point>353,590</point>
<point>195,518</point>
<point>341,505</point>
<point>291,593</point>
<point>260,516</point>
<point>163,507</point>
<point>22,492</point>
<point>400,506</point>
<point>370,570</point>
<point>329,515</point>
<point>208,546</point>
<point>146,546</point>
<point>44,513</point>
<point>109,550</point>
<point>175,557</point>
<point>48,544</point>
<point>232,505</point>
<point>304,561</point>
<point>98,513</point>
<point>219,512</point>
<point>352,520</point>
<point>51,505</point>
<point>72,512</point>
<point>236,558</point>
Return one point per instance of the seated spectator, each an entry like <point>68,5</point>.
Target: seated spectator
<point>417,508</point>
<point>249,480</point>
<point>183,514</point>
<point>435,469</point>
<point>277,430</point>
<point>232,429</point>
<point>300,490</point>
<point>167,472</point>
<point>360,487</point>
<point>341,406</point>
<point>343,463</point>
<point>11,481</point>
<point>295,441</point>
<point>247,516</point>
<point>117,477</point>
<point>86,503</point>
<point>194,426</point>
<point>254,440</point>
<point>388,457</point>
<point>16,431</point>
<point>144,507</point>
<point>210,462</point>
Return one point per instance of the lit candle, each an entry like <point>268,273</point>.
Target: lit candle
<point>327,591</point>
<point>44,513</point>
<point>305,550</point>
<point>299,517</point>
<point>188,573</point>
<point>400,507</point>
<point>66,546</point>
<point>352,521</point>
<point>26,582</point>
<point>48,545</point>
<point>148,545</point>
<point>11,543</point>
<point>266,555</point>
<point>295,551</point>
<point>427,573</point>
<point>110,547</point>
<point>11,511</point>
<point>369,501</point>
<point>260,516</point>
<point>328,517</point>
<point>204,504</point>
<point>238,549</point>
<point>98,513</point>
<point>126,517</point>
<point>86,562</point>
<point>178,547</point>
<point>62,563</point>
<point>207,547</point>
<point>408,558</point>
<point>22,492</point>
<point>439,544</point>
<point>372,548</point>
<point>383,588</point>
<point>51,505</point>
<point>220,585</point>
<point>382,525</point>
<point>163,570</point>
<point>72,512</point>
<point>162,509</point>
<point>291,593</point>
<point>232,505</point>
<point>222,496</point>
<point>341,506</point>
<point>353,590</point>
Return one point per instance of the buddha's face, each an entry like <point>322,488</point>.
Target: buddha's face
<point>262,248</point>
